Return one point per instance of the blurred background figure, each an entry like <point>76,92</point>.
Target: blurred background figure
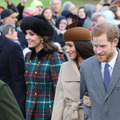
<point>61,27</point>
<point>68,5</point>
<point>1,9</point>
<point>30,12</point>
<point>9,17</point>
<point>81,15</point>
<point>97,17</point>
<point>69,16</point>
<point>109,16</point>
<point>10,32</point>
<point>89,10</point>
<point>37,4</point>
<point>56,7</point>
<point>116,10</point>
<point>47,13</point>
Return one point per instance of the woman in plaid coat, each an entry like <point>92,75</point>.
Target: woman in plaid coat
<point>42,68</point>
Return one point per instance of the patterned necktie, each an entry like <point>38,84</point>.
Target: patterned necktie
<point>106,76</point>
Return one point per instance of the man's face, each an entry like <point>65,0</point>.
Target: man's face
<point>73,9</point>
<point>56,6</point>
<point>104,49</point>
<point>99,19</point>
<point>10,20</point>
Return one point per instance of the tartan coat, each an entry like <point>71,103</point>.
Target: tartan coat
<point>41,78</point>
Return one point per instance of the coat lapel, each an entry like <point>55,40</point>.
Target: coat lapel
<point>98,76</point>
<point>115,76</point>
<point>73,73</point>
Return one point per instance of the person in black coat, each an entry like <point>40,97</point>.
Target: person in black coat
<point>12,69</point>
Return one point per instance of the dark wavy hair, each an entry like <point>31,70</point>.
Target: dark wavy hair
<point>84,49</point>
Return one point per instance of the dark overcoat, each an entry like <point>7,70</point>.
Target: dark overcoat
<point>12,69</point>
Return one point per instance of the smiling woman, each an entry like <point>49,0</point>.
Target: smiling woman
<point>42,67</point>
<point>67,105</point>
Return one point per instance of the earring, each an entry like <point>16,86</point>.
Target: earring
<point>41,40</point>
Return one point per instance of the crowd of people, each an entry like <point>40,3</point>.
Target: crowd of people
<point>60,62</point>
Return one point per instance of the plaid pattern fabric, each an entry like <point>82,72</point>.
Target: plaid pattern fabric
<point>41,79</point>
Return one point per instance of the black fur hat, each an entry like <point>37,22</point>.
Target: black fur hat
<point>38,24</point>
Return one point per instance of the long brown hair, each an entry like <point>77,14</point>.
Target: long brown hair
<point>84,49</point>
<point>49,47</point>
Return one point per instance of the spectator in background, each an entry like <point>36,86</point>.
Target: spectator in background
<point>12,69</point>
<point>47,13</point>
<point>109,16</point>
<point>69,16</point>
<point>30,12</point>
<point>89,10</point>
<point>42,66</point>
<point>106,5</point>
<point>68,5</point>
<point>8,105</point>
<point>81,15</point>
<point>1,9</point>
<point>116,2</point>
<point>97,17</point>
<point>9,17</point>
<point>116,10</point>
<point>67,105</point>
<point>81,12</point>
<point>19,8</point>
<point>61,27</point>
<point>9,31</point>
<point>55,6</point>
<point>37,4</point>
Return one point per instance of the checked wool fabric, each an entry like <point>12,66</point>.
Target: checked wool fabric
<point>41,78</point>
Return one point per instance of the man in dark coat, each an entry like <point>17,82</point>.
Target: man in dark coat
<point>12,69</point>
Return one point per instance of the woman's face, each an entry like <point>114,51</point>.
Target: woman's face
<point>71,50</point>
<point>34,41</point>
<point>12,34</point>
<point>63,24</point>
<point>48,14</point>
<point>81,13</point>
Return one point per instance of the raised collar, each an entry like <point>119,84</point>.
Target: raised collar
<point>40,54</point>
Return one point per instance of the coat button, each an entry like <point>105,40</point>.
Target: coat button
<point>35,73</point>
<point>27,83</point>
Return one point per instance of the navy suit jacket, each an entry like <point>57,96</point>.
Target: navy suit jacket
<point>12,69</point>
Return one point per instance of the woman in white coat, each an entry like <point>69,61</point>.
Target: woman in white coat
<point>67,105</point>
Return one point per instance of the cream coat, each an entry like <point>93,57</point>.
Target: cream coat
<point>67,104</point>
